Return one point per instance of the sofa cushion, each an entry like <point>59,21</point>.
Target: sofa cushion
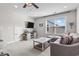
<point>57,41</point>
<point>75,37</point>
<point>75,40</point>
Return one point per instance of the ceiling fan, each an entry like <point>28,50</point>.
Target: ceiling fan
<point>30,4</point>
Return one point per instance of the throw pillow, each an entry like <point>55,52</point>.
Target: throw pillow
<point>66,40</point>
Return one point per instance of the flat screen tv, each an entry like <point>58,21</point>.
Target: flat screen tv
<point>30,25</point>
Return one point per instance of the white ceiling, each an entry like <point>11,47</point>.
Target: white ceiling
<point>44,8</point>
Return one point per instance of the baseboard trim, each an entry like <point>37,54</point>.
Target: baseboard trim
<point>12,42</point>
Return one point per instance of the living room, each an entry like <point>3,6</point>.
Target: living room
<point>16,19</point>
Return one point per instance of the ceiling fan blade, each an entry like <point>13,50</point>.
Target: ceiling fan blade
<point>34,5</point>
<point>25,5</point>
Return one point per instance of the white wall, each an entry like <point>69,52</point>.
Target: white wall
<point>70,17</point>
<point>78,20</point>
<point>12,24</point>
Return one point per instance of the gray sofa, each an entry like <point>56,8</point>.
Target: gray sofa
<point>57,49</point>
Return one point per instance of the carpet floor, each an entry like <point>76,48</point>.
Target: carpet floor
<point>24,48</point>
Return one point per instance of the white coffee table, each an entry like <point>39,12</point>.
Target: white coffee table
<point>41,43</point>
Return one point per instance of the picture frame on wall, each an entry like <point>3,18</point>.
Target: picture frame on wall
<point>41,25</point>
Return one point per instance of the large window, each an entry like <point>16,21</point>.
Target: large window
<point>56,26</point>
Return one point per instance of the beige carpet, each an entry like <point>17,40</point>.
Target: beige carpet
<point>25,48</point>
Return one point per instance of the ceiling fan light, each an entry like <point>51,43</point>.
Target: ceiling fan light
<point>29,4</point>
